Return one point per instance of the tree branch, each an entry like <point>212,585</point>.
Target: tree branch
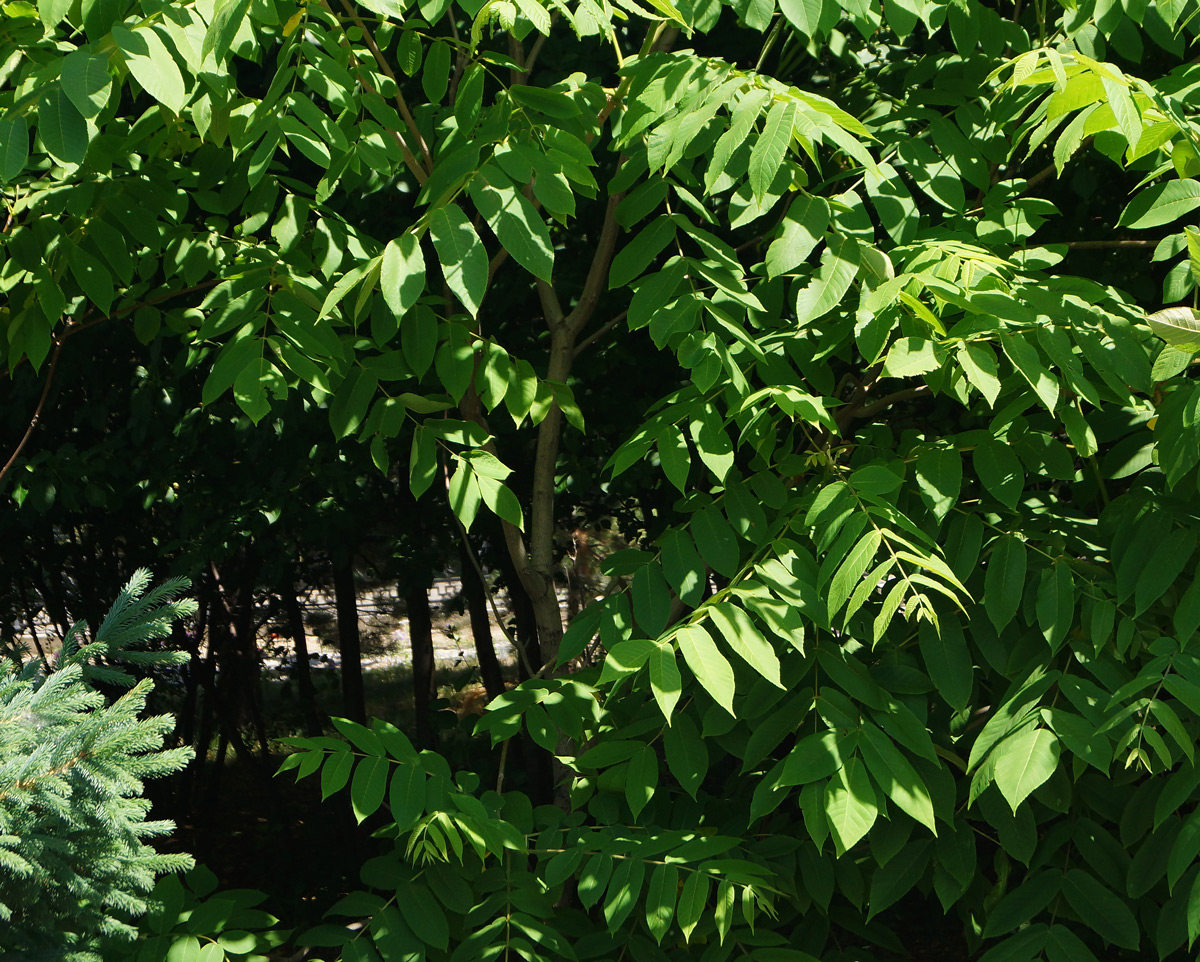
<point>856,409</point>
<point>473,558</point>
<point>551,306</point>
<point>74,327</point>
<point>471,409</point>
<point>12,211</point>
<point>524,61</point>
<point>536,50</point>
<point>542,487</point>
<point>846,415</point>
<point>410,159</point>
<point>895,397</point>
<point>495,264</point>
<point>1083,245</point>
<point>534,563</point>
<point>598,333</point>
<point>597,277</point>
<point>83,324</point>
<point>1050,170</point>
<point>37,412</point>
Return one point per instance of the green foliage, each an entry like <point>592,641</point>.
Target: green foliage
<point>191,919</point>
<point>75,863</point>
<point>916,619</point>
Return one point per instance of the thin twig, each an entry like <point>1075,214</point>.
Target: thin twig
<point>83,324</point>
<point>526,61</point>
<point>535,50</point>
<point>12,211</point>
<point>503,760</point>
<point>37,413</point>
<point>1050,170</point>
<point>598,333</point>
<point>495,263</point>
<point>74,328</point>
<point>86,321</point>
<point>1105,244</point>
<point>768,44</point>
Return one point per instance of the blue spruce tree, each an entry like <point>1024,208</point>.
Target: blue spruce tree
<point>75,860</point>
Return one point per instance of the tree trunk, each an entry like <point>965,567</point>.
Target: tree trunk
<point>232,636</point>
<point>248,659</point>
<point>537,574</point>
<point>420,633</point>
<point>202,683</point>
<point>533,561</point>
<point>187,640</point>
<point>30,616</point>
<point>224,699</point>
<point>54,607</point>
<point>349,643</point>
<point>481,628</point>
<point>295,620</point>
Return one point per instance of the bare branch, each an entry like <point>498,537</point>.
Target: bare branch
<point>551,306</point>
<point>905,394</point>
<point>1088,245</point>
<point>845,416</point>
<point>597,277</point>
<point>536,49</point>
<point>1044,174</point>
<point>495,264</point>
<point>473,558</point>
<point>527,61</point>
<point>37,412</point>
<point>598,333</point>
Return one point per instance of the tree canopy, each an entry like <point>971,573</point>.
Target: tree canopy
<point>859,312</point>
